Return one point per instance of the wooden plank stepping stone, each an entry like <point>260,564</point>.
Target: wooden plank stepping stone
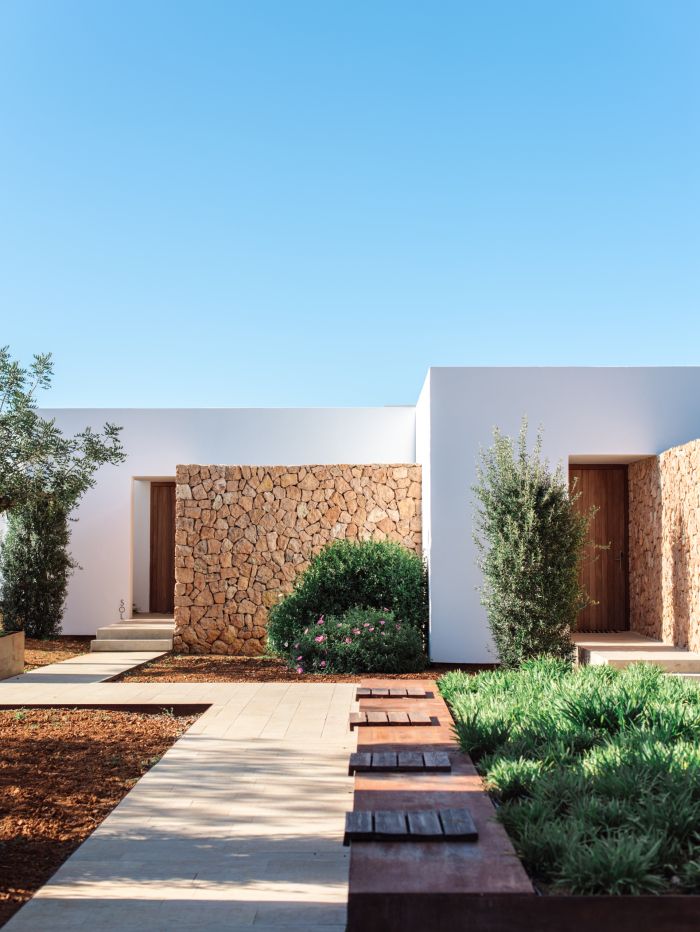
<point>396,717</point>
<point>439,825</point>
<point>391,692</point>
<point>399,762</point>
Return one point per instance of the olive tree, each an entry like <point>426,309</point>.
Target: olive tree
<point>531,539</point>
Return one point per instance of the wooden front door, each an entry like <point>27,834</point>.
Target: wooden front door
<point>162,597</point>
<point>604,571</point>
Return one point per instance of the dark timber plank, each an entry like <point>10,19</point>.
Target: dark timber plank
<point>411,760</point>
<point>397,692</point>
<point>397,717</point>
<point>357,718</point>
<point>384,761</point>
<point>415,692</point>
<point>420,718</point>
<point>363,692</point>
<point>376,718</point>
<point>379,692</point>
<point>390,824</point>
<point>425,826</point>
<point>438,761</point>
<point>358,826</point>
<point>360,761</point>
<point>458,825</point>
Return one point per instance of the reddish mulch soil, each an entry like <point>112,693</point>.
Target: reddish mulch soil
<point>41,653</point>
<point>61,772</point>
<point>179,668</point>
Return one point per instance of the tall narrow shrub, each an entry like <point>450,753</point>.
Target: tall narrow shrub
<point>35,565</point>
<point>531,540</point>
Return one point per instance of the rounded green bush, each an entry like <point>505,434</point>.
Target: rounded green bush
<point>368,574</point>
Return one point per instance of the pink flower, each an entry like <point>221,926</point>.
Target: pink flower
<point>322,664</point>
<point>366,625</point>
<point>300,669</point>
<point>297,646</point>
<point>300,657</point>
<point>348,640</point>
<point>320,620</point>
<point>371,628</point>
<point>321,637</point>
<point>339,625</point>
<point>381,621</point>
<point>356,631</point>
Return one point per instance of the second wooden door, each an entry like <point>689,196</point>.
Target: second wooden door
<point>604,572</point>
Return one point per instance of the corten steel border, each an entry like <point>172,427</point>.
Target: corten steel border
<point>464,887</point>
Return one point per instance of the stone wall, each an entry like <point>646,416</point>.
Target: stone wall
<point>664,520</point>
<point>243,533</point>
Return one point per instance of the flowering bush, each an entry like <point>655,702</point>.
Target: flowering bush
<point>372,574</point>
<point>358,641</point>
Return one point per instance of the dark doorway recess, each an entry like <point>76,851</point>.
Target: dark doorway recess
<point>604,574</point>
<point>162,573</point>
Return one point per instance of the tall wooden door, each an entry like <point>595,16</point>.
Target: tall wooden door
<point>604,572</point>
<point>162,597</point>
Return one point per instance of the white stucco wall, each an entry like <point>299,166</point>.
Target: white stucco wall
<point>584,411</point>
<point>157,440</point>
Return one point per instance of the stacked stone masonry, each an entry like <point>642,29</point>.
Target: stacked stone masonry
<point>244,533</point>
<point>664,521</point>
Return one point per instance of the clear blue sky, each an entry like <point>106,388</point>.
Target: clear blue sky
<point>309,203</point>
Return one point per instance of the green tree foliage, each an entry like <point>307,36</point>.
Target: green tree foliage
<point>36,566</point>
<point>43,476</point>
<point>368,574</point>
<point>35,458</point>
<point>531,540</point>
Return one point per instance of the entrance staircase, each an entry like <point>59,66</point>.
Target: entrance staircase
<point>621,648</point>
<point>146,633</point>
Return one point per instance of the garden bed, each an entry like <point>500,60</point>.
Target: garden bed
<point>215,668</point>
<point>41,653</point>
<point>595,773</point>
<point>62,771</point>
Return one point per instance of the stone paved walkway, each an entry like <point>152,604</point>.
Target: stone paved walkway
<point>86,668</point>
<point>239,826</point>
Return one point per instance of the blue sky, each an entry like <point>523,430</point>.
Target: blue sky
<point>309,203</point>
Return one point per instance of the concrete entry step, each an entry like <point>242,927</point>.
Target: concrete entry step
<point>136,634</point>
<point>136,644</point>
<point>621,648</point>
<point>132,630</point>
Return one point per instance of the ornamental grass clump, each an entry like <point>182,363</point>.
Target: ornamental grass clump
<point>595,772</point>
<point>530,538</point>
<point>358,641</point>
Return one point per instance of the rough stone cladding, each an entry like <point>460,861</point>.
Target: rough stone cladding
<point>664,520</point>
<point>243,534</point>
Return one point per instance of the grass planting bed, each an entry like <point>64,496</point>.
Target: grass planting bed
<point>595,774</point>
<point>62,771</point>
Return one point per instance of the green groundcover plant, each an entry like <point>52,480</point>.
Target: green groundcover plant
<point>595,772</point>
<point>358,641</point>
<point>370,574</point>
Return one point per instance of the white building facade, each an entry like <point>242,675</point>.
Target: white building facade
<point>588,416</point>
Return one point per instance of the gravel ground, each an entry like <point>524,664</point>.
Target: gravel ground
<point>62,771</point>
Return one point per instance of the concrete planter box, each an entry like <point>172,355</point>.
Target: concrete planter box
<point>11,654</point>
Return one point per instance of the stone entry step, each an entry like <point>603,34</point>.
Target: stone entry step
<point>621,648</point>
<point>381,719</point>
<point>134,634</point>
<point>413,825</point>
<point>132,644</point>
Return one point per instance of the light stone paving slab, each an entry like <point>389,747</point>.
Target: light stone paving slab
<point>86,668</point>
<point>239,826</point>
